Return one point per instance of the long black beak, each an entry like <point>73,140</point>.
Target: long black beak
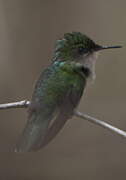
<point>98,47</point>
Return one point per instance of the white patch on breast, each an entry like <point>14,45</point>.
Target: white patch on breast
<point>89,61</point>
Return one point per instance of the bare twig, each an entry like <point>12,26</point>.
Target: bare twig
<point>19,104</point>
<point>25,104</point>
<point>100,123</point>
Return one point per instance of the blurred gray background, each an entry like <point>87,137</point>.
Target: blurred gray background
<point>28,30</point>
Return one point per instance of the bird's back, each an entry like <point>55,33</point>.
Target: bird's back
<point>56,95</point>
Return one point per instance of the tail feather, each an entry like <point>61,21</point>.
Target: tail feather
<point>54,129</point>
<point>32,134</point>
<point>39,131</point>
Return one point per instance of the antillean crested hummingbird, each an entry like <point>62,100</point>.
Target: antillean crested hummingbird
<point>59,89</point>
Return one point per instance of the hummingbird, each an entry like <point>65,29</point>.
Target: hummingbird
<point>59,89</point>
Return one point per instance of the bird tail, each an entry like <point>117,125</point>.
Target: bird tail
<point>55,128</point>
<point>38,135</point>
<point>32,134</point>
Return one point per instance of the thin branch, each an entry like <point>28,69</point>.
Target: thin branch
<point>19,104</point>
<point>25,104</point>
<point>100,123</point>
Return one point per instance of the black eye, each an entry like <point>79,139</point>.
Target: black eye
<point>82,50</point>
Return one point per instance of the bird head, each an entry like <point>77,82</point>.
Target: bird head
<point>76,46</point>
<point>80,48</point>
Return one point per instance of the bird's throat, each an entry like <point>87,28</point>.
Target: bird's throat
<point>89,62</point>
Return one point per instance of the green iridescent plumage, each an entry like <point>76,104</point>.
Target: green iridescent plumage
<point>58,90</point>
<point>67,48</point>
